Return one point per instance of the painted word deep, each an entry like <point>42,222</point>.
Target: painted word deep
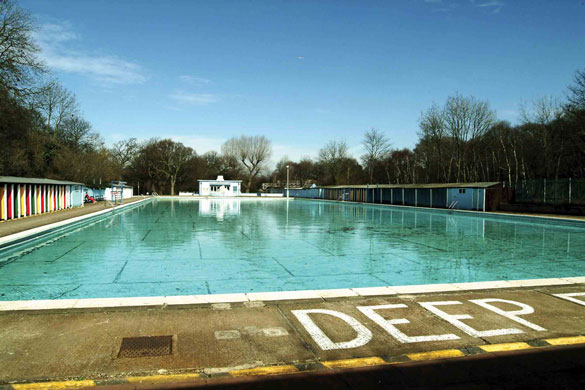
<point>364,335</point>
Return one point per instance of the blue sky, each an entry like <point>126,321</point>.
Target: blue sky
<point>302,72</point>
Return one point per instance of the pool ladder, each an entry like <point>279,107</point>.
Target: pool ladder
<point>452,206</point>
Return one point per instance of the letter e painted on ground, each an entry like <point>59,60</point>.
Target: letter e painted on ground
<point>388,325</point>
<point>454,319</point>
<point>569,297</point>
<point>526,309</point>
<point>323,341</point>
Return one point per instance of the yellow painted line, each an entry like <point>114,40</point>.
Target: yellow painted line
<point>273,370</point>
<point>162,378</point>
<point>566,340</point>
<point>432,355</point>
<point>289,369</point>
<point>359,362</point>
<point>54,385</point>
<point>504,347</point>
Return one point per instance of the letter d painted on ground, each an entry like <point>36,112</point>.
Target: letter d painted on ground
<point>323,341</point>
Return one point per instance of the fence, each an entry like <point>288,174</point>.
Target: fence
<point>546,191</point>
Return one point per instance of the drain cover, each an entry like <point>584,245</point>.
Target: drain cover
<point>146,346</point>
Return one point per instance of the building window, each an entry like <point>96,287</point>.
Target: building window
<point>462,190</point>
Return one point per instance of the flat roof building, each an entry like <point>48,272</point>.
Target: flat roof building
<point>220,187</point>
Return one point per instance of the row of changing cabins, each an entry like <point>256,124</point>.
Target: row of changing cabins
<point>23,197</point>
<point>484,196</point>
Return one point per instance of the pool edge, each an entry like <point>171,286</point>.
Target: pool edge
<point>495,214</point>
<point>363,292</point>
<point>21,237</point>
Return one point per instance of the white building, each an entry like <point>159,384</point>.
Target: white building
<point>220,187</point>
<point>126,191</point>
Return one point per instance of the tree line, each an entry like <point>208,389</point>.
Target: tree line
<point>43,134</point>
<point>462,140</point>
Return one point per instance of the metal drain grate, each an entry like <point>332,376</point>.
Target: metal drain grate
<point>146,346</point>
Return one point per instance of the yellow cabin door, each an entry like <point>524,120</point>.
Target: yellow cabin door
<point>2,202</point>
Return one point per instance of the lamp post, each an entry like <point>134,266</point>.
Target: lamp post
<point>287,170</point>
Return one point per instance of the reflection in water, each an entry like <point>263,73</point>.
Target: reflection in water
<point>219,207</point>
<point>184,247</point>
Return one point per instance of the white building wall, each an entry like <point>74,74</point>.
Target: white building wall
<point>233,188</point>
<point>204,188</point>
<point>127,193</point>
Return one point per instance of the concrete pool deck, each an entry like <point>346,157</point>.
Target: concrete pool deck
<point>287,337</point>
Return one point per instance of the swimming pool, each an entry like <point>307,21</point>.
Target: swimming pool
<point>207,246</point>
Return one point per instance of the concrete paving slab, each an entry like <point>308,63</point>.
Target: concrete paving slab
<point>74,343</point>
<point>88,343</point>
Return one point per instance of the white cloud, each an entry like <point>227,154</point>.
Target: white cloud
<point>194,99</point>
<point>491,3</point>
<point>58,42</point>
<point>496,5</point>
<point>194,80</point>
<point>52,32</point>
<point>106,69</point>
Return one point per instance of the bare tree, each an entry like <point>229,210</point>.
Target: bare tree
<point>76,133</point>
<point>124,151</point>
<point>542,111</point>
<point>433,131</point>
<point>331,156</point>
<point>162,161</point>
<point>251,152</point>
<point>466,120</point>
<point>577,91</point>
<point>56,104</point>
<point>576,108</point>
<point>539,116</point>
<point>172,156</point>
<point>377,146</point>
<point>18,52</point>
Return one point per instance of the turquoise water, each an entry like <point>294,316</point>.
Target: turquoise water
<point>182,247</point>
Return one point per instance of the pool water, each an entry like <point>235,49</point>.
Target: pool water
<point>184,247</point>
